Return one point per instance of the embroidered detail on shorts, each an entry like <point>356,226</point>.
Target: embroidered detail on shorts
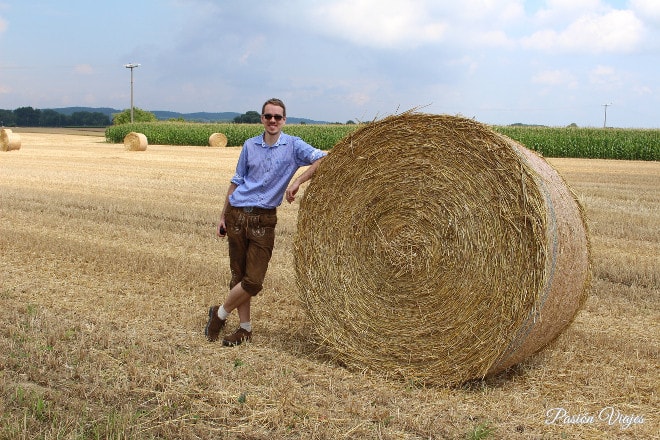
<point>258,231</point>
<point>238,224</point>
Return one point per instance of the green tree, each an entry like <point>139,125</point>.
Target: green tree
<point>51,118</point>
<point>27,117</point>
<point>7,118</point>
<point>139,115</point>
<point>250,117</point>
<point>90,119</point>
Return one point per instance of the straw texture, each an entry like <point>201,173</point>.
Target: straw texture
<point>135,141</point>
<point>9,141</point>
<point>433,249</point>
<point>218,140</point>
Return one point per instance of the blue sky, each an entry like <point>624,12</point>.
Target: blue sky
<point>553,62</point>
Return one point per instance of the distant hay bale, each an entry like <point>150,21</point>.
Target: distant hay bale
<point>9,141</point>
<point>218,140</point>
<point>433,249</point>
<point>135,141</point>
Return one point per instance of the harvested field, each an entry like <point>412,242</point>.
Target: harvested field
<point>108,262</point>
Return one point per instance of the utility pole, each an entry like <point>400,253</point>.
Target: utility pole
<point>605,121</point>
<point>131,66</point>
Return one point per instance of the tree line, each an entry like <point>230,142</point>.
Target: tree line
<point>31,117</point>
<point>254,117</point>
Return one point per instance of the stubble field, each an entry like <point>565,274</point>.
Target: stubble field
<point>109,261</point>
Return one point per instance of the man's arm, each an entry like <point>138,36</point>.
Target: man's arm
<point>221,223</point>
<point>304,177</point>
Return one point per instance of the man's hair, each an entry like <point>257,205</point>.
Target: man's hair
<point>274,101</point>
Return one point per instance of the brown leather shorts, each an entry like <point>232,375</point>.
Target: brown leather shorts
<point>251,237</point>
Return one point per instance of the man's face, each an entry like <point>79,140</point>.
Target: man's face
<point>272,125</point>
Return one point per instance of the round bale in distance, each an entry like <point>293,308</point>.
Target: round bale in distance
<point>433,249</point>
<point>9,141</point>
<point>135,141</point>
<point>218,140</point>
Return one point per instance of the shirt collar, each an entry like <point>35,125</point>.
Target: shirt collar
<point>277,142</point>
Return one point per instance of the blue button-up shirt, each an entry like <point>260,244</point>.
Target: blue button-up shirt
<point>263,172</point>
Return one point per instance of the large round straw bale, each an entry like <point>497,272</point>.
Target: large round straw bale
<point>431,248</point>
<point>218,140</point>
<point>135,141</point>
<point>9,141</point>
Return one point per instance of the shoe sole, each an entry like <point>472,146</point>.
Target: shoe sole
<point>208,324</point>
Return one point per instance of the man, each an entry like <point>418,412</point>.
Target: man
<point>265,167</point>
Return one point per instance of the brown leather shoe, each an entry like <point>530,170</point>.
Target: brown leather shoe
<point>237,338</point>
<point>215,324</point>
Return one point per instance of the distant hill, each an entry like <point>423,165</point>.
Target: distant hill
<point>71,110</point>
<point>164,115</point>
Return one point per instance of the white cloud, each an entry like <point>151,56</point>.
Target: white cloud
<point>560,11</point>
<point>555,78</point>
<point>647,10</point>
<point>253,46</point>
<point>489,38</point>
<point>495,12</point>
<point>484,23</point>
<point>468,62</point>
<point>379,23</point>
<point>615,31</point>
<point>395,24</point>
<point>643,90</point>
<point>604,76</point>
<point>3,25</point>
<point>83,69</point>
<point>358,99</point>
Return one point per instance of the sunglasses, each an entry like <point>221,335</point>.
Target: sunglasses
<point>268,117</point>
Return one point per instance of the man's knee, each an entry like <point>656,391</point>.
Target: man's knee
<point>251,287</point>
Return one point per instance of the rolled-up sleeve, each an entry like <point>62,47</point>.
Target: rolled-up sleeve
<point>241,168</point>
<point>305,153</point>
<point>237,179</point>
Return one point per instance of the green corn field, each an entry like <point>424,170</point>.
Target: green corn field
<point>176,133</point>
<point>595,143</point>
<point>592,143</point>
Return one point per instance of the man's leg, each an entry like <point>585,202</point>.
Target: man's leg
<point>239,299</point>
<point>238,244</point>
<point>261,239</point>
